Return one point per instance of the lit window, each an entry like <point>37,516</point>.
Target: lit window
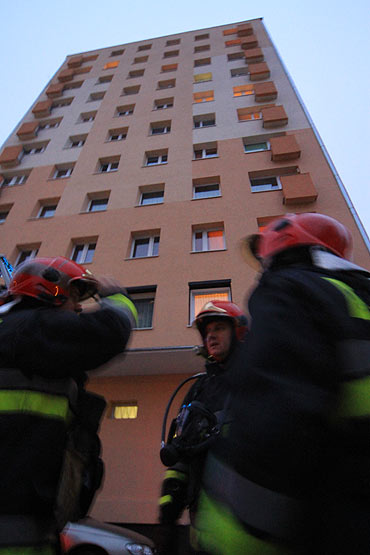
<point>204,96</point>
<point>62,172</point>
<point>151,197</point>
<point>204,120</point>
<point>256,147</point>
<point>160,128</point>
<point>18,179</point>
<point>111,65</point>
<point>249,114</point>
<point>261,184</point>
<point>163,103</point>
<point>98,205</point>
<point>124,410</point>
<point>206,152</point>
<point>26,254</point>
<point>47,211</point>
<point>106,167</point>
<point>153,159</point>
<point>264,222</point>
<point>243,90</point>
<point>208,240</point>
<point>83,253</point>
<point>233,42</point>
<point>199,297</point>
<point>143,247</point>
<point>125,110</point>
<point>206,191</point>
<point>201,77</point>
<point>168,67</point>
<point>239,71</point>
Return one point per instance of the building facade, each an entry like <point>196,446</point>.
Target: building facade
<point>149,162</point>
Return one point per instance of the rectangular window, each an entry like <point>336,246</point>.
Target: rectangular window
<point>204,96</point>
<point>86,117</point>
<point>153,158</point>
<point>169,67</point>
<point>61,103</point>
<point>143,299</point>
<point>124,110</point>
<point>207,292</point>
<point>202,62</point>
<point>239,72</point>
<point>47,211</point>
<point>163,103</point>
<point>104,79</point>
<point>3,215</point>
<point>202,37</point>
<point>111,65</point>
<point>34,149</point>
<point>97,205</point>
<point>107,166</point>
<point>235,56</point>
<point>76,141</point>
<point>26,254</point>
<point>171,53</point>
<point>117,52</point>
<point>62,172</point>
<point>201,77</point>
<point>144,47</point>
<point>118,134</point>
<point>121,410</point>
<point>83,253</point>
<point>140,59</point>
<point>205,151</point>
<point>208,240</point>
<point>233,42</point>
<point>9,181</point>
<point>135,73</point>
<point>169,84</point>
<point>131,90</point>
<point>95,97</point>
<point>246,114</point>
<point>204,120</point>
<point>151,197</point>
<point>160,127</point>
<point>206,191</point>
<point>143,247</point>
<point>48,124</point>
<point>203,48</point>
<point>256,147</point>
<point>261,184</point>
<point>243,90</point>
<point>173,42</point>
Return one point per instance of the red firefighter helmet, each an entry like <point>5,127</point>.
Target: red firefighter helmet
<point>49,280</point>
<point>293,230</point>
<point>222,309</point>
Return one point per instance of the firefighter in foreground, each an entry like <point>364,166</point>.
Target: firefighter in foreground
<point>49,464</point>
<point>293,474</point>
<point>222,326</point>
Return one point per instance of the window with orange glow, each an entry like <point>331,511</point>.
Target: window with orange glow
<point>208,240</point>
<point>199,297</point>
<point>124,410</point>
<point>110,65</point>
<point>243,90</point>
<point>204,96</point>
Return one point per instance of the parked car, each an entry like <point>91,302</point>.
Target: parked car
<point>91,537</point>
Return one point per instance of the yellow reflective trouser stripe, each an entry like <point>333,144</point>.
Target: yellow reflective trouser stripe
<point>175,474</point>
<point>122,300</point>
<point>356,306</point>
<point>42,550</point>
<point>165,499</point>
<point>51,406</point>
<point>355,399</point>
<point>220,533</point>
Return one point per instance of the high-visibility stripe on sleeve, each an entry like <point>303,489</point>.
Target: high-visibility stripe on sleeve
<point>33,402</point>
<point>355,398</point>
<point>356,306</point>
<point>121,300</point>
<point>165,499</point>
<point>176,475</point>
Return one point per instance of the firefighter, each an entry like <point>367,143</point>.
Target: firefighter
<point>293,474</point>
<point>222,327</point>
<point>49,465</point>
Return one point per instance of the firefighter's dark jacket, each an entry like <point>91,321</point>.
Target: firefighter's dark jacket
<point>295,467</point>
<point>44,354</point>
<point>181,483</point>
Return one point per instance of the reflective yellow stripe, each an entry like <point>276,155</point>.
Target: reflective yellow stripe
<point>218,531</point>
<point>355,399</point>
<point>356,307</point>
<point>175,474</point>
<point>34,402</point>
<point>122,300</point>
<point>165,499</point>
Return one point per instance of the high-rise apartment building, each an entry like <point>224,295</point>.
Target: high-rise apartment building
<point>149,162</point>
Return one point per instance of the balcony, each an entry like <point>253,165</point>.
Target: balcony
<point>11,156</point>
<point>259,71</point>
<point>42,109</point>
<point>27,130</point>
<point>265,91</point>
<point>274,116</point>
<point>298,189</point>
<point>284,148</point>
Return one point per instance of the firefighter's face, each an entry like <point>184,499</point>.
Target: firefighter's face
<point>218,338</point>
<point>72,303</point>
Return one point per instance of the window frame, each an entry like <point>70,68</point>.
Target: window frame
<point>143,293</point>
<point>109,165</point>
<point>44,207</point>
<point>14,180</point>
<point>85,252</point>
<point>153,240</point>
<point>160,161</point>
<point>97,200</point>
<point>204,185</point>
<point>202,291</point>
<point>204,152</point>
<point>266,188</point>
<point>205,239</point>
<point>267,143</point>
<point>154,192</point>
<point>33,254</point>
<point>68,169</point>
